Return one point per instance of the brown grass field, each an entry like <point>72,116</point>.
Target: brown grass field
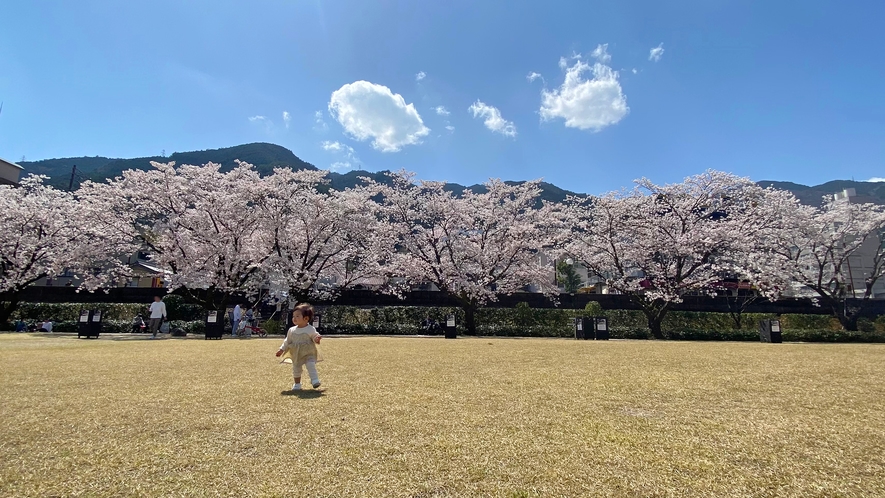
<point>422,417</point>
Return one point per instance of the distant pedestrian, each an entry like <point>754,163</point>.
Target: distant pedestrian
<point>158,314</point>
<point>237,316</point>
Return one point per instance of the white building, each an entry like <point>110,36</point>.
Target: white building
<point>9,172</point>
<point>861,264</point>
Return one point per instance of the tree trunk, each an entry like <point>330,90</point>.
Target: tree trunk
<point>847,315</point>
<point>470,319</point>
<point>654,324</point>
<point>736,308</point>
<point>655,311</point>
<point>8,304</point>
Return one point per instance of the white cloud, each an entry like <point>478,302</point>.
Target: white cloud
<point>320,123</point>
<point>586,104</point>
<point>346,151</point>
<point>441,110</point>
<point>601,53</point>
<point>635,71</point>
<point>420,76</point>
<point>656,53</point>
<point>450,127</point>
<point>876,179</point>
<point>286,118</point>
<point>533,76</point>
<point>367,110</point>
<point>262,121</point>
<point>334,146</point>
<point>493,119</point>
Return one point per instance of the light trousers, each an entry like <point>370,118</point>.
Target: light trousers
<point>311,366</point>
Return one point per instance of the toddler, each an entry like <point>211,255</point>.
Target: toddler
<point>300,348</point>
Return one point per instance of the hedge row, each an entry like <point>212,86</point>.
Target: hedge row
<point>125,326</point>
<point>521,321</point>
<point>176,309</point>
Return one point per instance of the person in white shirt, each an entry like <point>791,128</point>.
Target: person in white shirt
<point>158,314</point>
<point>47,326</point>
<point>238,314</point>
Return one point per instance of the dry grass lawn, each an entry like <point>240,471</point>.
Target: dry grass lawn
<point>424,417</point>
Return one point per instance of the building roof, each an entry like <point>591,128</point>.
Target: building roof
<point>4,161</point>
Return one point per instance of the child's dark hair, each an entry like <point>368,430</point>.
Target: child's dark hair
<point>306,311</point>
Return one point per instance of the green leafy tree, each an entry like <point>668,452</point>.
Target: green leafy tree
<point>567,276</point>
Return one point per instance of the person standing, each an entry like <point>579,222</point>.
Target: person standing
<point>238,314</point>
<point>300,348</point>
<point>158,314</point>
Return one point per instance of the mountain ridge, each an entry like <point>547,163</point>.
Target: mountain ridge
<point>266,156</point>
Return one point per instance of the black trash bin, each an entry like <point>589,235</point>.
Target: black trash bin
<point>214,324</point>
<point>95,324</point>
<point>600,327</point>
<point>770,331</point>
<point>451,330</point>
<point>84,325</point>
<point>587,323</point>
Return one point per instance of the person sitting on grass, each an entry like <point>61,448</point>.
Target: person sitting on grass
<point>299,347</point>
<point>47,326</point>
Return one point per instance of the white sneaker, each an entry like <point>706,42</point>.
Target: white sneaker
<point>316,384</point>
<point>296,387</point>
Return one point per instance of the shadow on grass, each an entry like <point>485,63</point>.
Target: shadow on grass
<point>304,394</point>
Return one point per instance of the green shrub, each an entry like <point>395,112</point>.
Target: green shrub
<point>273,327</point>
<point>593,308</point>
<point>178,309</point>
<point>865,325</point>
<point>832,336</point>
<point>810,322</point>
<point>714,335</point>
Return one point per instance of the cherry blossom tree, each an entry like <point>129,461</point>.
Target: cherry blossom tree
<point>322,242</point>
<point>754,263</point>
<point>43,233</point>
<point>473,247</point>
<point>660,243</point>
<point>815,250</point>
<point>204,226</point>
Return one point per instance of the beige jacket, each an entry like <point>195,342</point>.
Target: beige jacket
<point>299,346</point>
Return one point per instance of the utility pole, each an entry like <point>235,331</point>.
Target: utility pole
<point>71,184</point>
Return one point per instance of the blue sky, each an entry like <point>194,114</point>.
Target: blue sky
<point>771,90</point>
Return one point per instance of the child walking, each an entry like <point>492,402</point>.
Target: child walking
<point>300,348</point>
